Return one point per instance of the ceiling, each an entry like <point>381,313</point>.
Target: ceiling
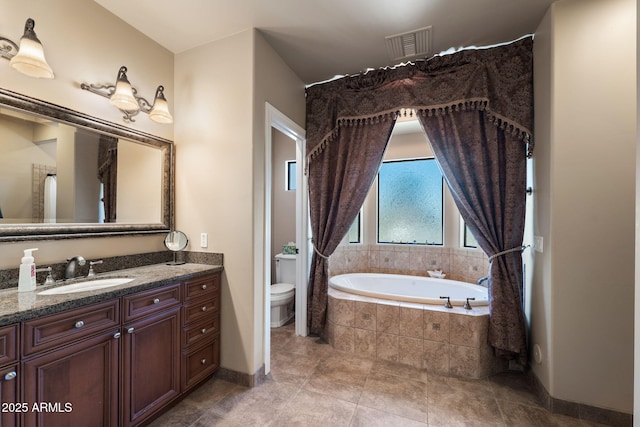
<point>320,39</point>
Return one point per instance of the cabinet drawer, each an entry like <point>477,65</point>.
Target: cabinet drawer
<point>199,363</point>
<point>151,301</point>
<point>205,287</point>
<point>200,331</point>
<point>69,326</point>
<point>8,344</point>
<point>199,310</point>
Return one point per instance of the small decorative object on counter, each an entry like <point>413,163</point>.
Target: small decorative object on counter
<point>438,274</point>
<point>289,249</point>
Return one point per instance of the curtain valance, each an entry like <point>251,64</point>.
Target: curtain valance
<point>497,80</point>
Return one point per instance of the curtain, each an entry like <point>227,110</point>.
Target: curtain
<point>339,179</point>
<point>482,165</point>
<point>495,85</point>
<point>108,174</point>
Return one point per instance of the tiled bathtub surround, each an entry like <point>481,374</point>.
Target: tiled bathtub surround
<point>467,265</point>
<point>429,337</point>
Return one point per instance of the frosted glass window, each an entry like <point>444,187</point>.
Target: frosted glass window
<point>355,232</point>
<point>290,166</point>
<point>410,202</point>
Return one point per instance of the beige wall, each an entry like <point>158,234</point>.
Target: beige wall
<point>17,153</point>
<point>283,203</point>
<point>636,400</point>
<point>276,83</point>
<point>214,176</point>
<point>85,43</point>
<point>140,169</point>
<point>220,133</point>
<point>585,176</point>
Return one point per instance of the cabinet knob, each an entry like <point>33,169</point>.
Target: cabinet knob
<point>204,330</point>
<point>204,287</point>
<point>79,324</point>
<point>203,361</point>
<point>204,308</point>
<point>156,300</point>
<point>130,330</point>
<point>10,375</point>
<point>116,335</point>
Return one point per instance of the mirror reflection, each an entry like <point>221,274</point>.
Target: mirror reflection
<point>176,241</point>
<point>55,173</point>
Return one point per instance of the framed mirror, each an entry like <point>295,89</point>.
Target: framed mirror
<point>65,174</point>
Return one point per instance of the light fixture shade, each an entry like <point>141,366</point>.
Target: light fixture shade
<point>160,111</point>
<point>122,96</point>
<point>30,57</point>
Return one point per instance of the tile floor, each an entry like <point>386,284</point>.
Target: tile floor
<point>313,385</point>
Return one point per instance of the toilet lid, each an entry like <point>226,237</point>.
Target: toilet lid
<point>281,288</point>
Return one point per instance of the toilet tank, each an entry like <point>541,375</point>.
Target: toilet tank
<point>286,269</point>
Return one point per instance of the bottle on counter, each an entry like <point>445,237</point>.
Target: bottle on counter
<point>27,277</point>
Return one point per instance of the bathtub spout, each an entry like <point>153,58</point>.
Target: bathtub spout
<point>481,281</point>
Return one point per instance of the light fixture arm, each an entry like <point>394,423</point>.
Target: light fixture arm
<point>8,48</point>
<point>107,91</point>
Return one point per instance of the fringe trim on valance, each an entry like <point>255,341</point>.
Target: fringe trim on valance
<point>478,104</point>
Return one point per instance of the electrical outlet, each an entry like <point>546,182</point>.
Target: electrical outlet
<point>204,240</point>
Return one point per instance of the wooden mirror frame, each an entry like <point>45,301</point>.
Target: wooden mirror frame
<point>20,232</point>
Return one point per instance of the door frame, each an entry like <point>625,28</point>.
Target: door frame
<point>277,120</point>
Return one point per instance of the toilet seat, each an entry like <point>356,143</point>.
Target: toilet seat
<point>282,291</point>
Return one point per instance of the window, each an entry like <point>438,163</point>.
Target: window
<point>290,175</point>
<point>410,202</point>
<point>355,232</point>
<point>468,241</point>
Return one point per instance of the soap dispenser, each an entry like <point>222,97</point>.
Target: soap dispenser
<point>27,278</point>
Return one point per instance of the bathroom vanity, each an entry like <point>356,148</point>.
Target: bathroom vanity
<point>116,356</point>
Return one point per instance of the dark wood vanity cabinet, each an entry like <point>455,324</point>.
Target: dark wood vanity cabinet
<point>151,353</point>
<point>71,367</point>
<point>117,362</point>
<point>200,330</point>
<point>9,376</point>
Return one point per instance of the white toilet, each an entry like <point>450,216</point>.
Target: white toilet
<point>283,292</point>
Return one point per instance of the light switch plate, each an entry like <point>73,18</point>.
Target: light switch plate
<point>538,243</point>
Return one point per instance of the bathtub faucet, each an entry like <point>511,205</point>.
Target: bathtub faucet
<point>448,303</point>
<point>467,306</point>
<point>481,281</point>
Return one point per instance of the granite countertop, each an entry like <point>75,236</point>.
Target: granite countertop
<point>18,306</point>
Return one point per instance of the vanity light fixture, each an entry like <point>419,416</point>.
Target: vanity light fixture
<point>125,97</point>
<point>28,58</point>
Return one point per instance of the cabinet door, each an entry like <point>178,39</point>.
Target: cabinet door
<point>76,385</point>
<point>9,394</point>
<point>151,365</point>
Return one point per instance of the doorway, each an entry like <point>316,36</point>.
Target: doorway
<point>276,120</point>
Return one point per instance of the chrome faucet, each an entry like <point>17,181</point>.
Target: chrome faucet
<point>70,270</point>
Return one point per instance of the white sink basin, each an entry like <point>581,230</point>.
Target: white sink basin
<point>88,285</point>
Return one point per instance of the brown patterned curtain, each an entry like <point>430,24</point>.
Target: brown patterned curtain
<point>339,179</point>
<point>483,98</point>
<point>485,169</point>
<point>108,174</point>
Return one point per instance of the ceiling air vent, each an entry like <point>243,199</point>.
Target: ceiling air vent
<point>409,44</point>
